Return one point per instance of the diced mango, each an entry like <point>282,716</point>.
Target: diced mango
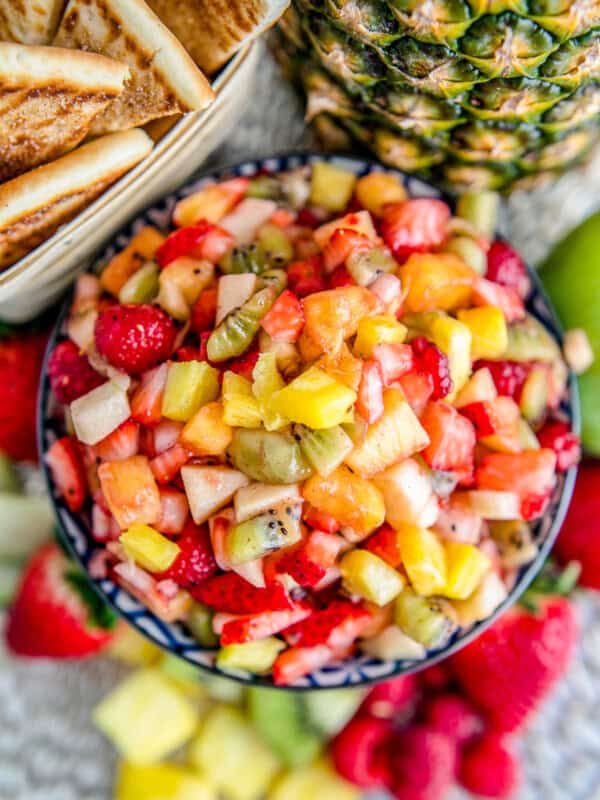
<point>314,399</point>
<point>319,780</point>
<point>160,782</point>
<point>331,187</point>
<point>149,548</point>
<point>376,189</point>
<point>121,267</point>
<point>367,575</point>
<point>146,717</point>
<point>211,203</point>
<point>207,434</point>
<point>190,275</point>
<point>342,366</point>
<point>352,500</point>
<point>266,382</point>
<point>436,282</point>
<point>489,336</point>
<point>130,491</point>
<point>190,385</point>
<point>240,407</point>
<point>382,329</point>
<point>466,565</point>
<point>332,316</point>
<point>423,558</point>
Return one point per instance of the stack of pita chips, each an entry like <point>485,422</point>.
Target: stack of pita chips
<point>77,80</point>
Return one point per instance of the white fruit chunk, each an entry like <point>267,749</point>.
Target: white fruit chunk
<point>484,600</point>
<point>232,292</point>
<point>99,412</point>
<point>210,488</point>
<point>255,499</point>
<point>249,215</point>
<point>490,504</point>
<point>407,495</point>
<point>392,644</point>
<point>479,388</point>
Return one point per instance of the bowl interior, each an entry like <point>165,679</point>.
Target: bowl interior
<point>174,637</point>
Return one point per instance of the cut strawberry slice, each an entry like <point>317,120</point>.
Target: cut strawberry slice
<point>336,626</point>
<point>196,241</point>
<point>340,277</point>
<point>488,293</point>
<point>395,360</point>
<point>296,662</point>
<point>506,267</point>
<point>417,389</point>
<point>499,418</point>
<point>146,403</point>
<point>384,543</point>
<point>369,402</point>
<point>306,277</point>
<point>452,440</point>
<point>232,594</point>
<point>174,511</point>
<point>557,436</point>
<point>122,443</point>
<point>204,311</point>
<point>343,243</point>
<point>529,473</point>
<point>430,361</point>
<point>67,472</point>
<point>320,520</point>
<point>308,562</point>
<point>195,562</point>
<point>414,226</point>
<point>258,626</point>
<point>70,372</point>
<point>285,320</point>
<point>166,465</point>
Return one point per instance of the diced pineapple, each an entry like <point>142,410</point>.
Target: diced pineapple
<point>466,565</point>
<point>275,242</point>
<point>316,781</point>
<point>352,500</point>
<point>121,267</point>
<point>480,388</point>
<point>232,293</point>
<point>393,644</point>
<point>396,435</point>
<point>331,187</point>
<point>255,499</point>
<point>210,488</point>
<point>428,620</point>
<point>382,329</point>
<point>490,504</point>
<point>423,558</point>
<point>489,336</point>
<point>407,494</point>
<point>314,399</point>
<point>453,338</point>
<point>376,189</point>
<point>483,602</point>
<point>210,203</point>
<point>240,407</point>
<point>190,385</point>
<point>130,491</point>
<point>146,717</point>
<point>231,756</point>
<point>160,782</point>
<point>367,575</point>
<point>266,382</point>
<point>207,434</point>
<point>436,282</point>
<point>149,548</point>
<point>98,413</point>
<point>255,657</point>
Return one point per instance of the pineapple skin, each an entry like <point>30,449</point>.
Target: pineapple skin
<point>471,94</point>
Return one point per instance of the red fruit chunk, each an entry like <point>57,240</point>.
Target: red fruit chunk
<point>369,402</point>
<point>70,373</point>
<point>579,537</point>
<point>244,365</point>
<point>340,277</point>
<point>320,520</point>
<point>534,506</point>
<point>146,402</point>
<point>498,417</point>
<point>481,415</point>
<point>452,439</point>
<point>204,311</point>
<point>49,618</point>
<point>335,626</point>
<point>508,376</point>
<point>358,749</point>
<point>392,699</point>
<point>232,594</point>
<point>395,360</point>
<point>134,338</point>
<point>306,277</point>
<point>67,470</point>
<point>508,670</point>
<point>343,243</point>
<point>308,218</point>
<point>285,320</point>
<point>507,299</point>
<point>423,764</point>
<point>453,716</point>
<point>195,562</point>
<point>120,444</point>
<point>202,240</point>
<point>529,473</point>
<point>384,543</point>
<point>505,266</point>
<point>436,678</point>
<point>174,511</point>
<point>490,768</point>
<point>430,361</point>
<point>557,435</point>
<point>250,628</point>
<point>187,353</point>
<point>414,226</point>
<point>167,464</point>
<point>417,389</point>
<point>308,562</point>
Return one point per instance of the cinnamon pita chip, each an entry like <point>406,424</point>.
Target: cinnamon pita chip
<point>29,21</point>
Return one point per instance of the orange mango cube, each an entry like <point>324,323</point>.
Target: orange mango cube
<point>130,491</point>
<point>436,282</point>
<point>207,434</point>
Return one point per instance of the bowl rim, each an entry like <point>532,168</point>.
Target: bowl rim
<point>463,636</point>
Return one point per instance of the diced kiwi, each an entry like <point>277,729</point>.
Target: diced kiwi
<point>534,395</point>
<point>428,620</point>
<point>234,335</point>
<point>275,243</point>
<point>142,286</point>
<point>324,449</point>
<point>529,340</point>
<point>276,278</point>
<point>367,266</point>
<point>256,537</point>
<point>199,621</point>
<point>265,188</point>
<point>514,541</point>
<point>255,657</point>
<point>248,258</point>
<point>269,457</point>
<point>469,251</point>
<point>9,477</point>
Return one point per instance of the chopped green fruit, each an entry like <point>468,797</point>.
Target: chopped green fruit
<point>9,478</point>
<point>231,757</point>
<point>365,267</point>
<point>146,717</point>
<point>275,243</point>
<point>471,253</point>
<point>223,689</point>
<point>142,287</point>
<point>331,187</point>
<point>256,537</point>
<point>481,210</point>
<point>209,488</point>
<point>428,620</point>
<point>199,621</point>
<point>330,709</point>
<point>267,381</point>
<point>27,521</point>
<point>317,780</point>
<point>264,187</point>
<point>190,385</point>
<point>326,449</point>
<point>160,782</point>
<point>529,340</point>
<point>367,575</point>
<point>256,498</point>
<point>234,335</point>
<point>9,580</point>
<point>268,457</point>
<point>281,720</point>
<point>275,278</point>
<point>248,258</point>
<point>534,395</point>
<point>314,399</point>
<point>149,548</point>
<point>178,669</point>
<point>256,657</point>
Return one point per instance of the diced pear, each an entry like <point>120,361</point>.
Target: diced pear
<point>366,575</point>
<point>392,644</point>
<point>407,494</point>
<point>318,780</point>
<point>484,600</point>
<point>256,498</point>
<point>232,292</point>
<point>480,388</point>
<point>210,488</point>
<point>160,782</point>
<point>247,217</point>
<point>99,412</point>
<point>149,548</point>
<point>255,657</point>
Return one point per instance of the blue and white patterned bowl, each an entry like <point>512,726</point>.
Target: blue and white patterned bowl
<point>175,638</point>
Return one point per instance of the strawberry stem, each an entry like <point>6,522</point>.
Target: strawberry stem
<point>100,614</point>
<point>551,581</point>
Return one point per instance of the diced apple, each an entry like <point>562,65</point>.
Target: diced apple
<point>99,412</point>
<point>247,217</point>
<point>232,292</point>
<point>210,488</point>
<point>407,494</point>
<point>491,504</point>
<point>256,498</point>
<point>392,644</point>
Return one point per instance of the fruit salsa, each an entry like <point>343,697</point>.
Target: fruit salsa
<point>316,417</point>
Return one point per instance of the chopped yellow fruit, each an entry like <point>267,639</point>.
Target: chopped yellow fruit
<point>342,366</point>
<point>160,782</point>
<point>367,575</point>
<point>207,434</point>
<point>121,267</point>
<point>319,780</point>
<point>331,187</point>
<point>483,602</point>
<point>190,275</point>
<point>211,203</point>
<point>190,385</point>
<point>149,548</point>
<point>257,657</point>
<point>436,282</point>
<point>132,648</point>
<point>382,329</point>
<point>466,566</point>
<point>146,717</point>
<point>314,399</point>
<point>267,381</point>
<point>375,190</point>
<point>130,491</point>
<point>489,336</point>
<point>240,407</point>
<point>453,338</point>
<point>423,558</point>
<point>231,756</point>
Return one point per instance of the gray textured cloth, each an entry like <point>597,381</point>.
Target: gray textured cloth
<point>48,747</point>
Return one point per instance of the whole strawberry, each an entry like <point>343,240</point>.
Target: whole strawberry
<point>489,768</point>
<point>55,613</point>
<point>422,763</point>
<point>134,338</point>
<point>70,373</point>
<point>360,752</point>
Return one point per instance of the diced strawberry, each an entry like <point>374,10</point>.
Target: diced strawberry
<point>134,338</point>
<point>216,243</point>
<point>232,594</point>
<point>430,361</point>
<point>195,562</point>
<point>306,277</point>
<point>414,226</point>
<point>249,628</point>
<point>68,474</point>
<point>146,402</point>
<point>499,418</point>
<point>506,267</point>
<point>167,464</point>
<point>395,360</point>
<point>453,716</point>
<point>204,311</point>
<point>487,293</point>
<point>343,243</point>
<point>308,217</point>
<point>70,373</point>
<point>369,402</point>
<point>121,443</point>
<point>296,662</point>
<point>244,365</point>
<point>384,543</point>
<point>105,527</point>
<point>166,434</point>
<point>338,625</point>
<point>283,217</point>
<point>340,277</point>
<point>558,436</point>
<point>529,473</point>
<point>417,389</point>
<point>202,240</point>
<point>452,439</point>
<point>389,291</point>
<point>186,353</point>
<point>204,337</point>
<point>174,511</point>
<point>319,520</point>
<point>395,698</point>
<point>508,376</point>
<point>285,319</point>
<point>534,506</point>
<point>147,442</point>
<point>308,562</point>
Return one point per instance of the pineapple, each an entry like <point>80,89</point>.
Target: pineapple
<point>479,95</point>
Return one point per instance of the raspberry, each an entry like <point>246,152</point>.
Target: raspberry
<point>454,717</point>
<point>423,764</point>
<point>508,376</point>
<point>390,699</point>
<point>556,435</point>
<point>134,338</point>
<point>71,375</point>
<point>505,266</point>
<point>359,752</point>
<point>490,769</point>
<point>430,361</point>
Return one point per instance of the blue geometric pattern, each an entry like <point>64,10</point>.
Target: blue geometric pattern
<point>175,638</point>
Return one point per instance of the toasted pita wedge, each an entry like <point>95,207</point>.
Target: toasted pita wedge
<point>212,30</point>
<point>164,80</point>
<point>49,98</point>
<point>29,21</point>
<point>34,205</point>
